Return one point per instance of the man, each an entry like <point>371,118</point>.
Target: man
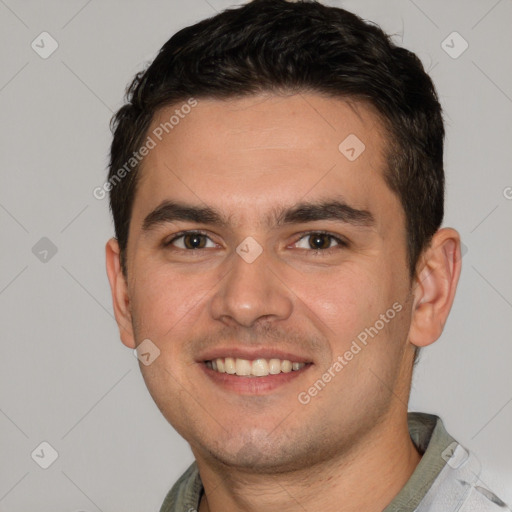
<point>277,188</point>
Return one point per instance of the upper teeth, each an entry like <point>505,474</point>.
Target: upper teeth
<point>256,368</point>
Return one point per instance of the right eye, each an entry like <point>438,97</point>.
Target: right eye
<point>190,240</point>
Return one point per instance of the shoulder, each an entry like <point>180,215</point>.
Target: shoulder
<point>482,499</point>
<point>458,486</point>
<point>185,493</point>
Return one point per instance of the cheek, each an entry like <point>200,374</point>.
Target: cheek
<point>166,302</point>
<point>343,301</point>
<point>166,308</point>
<point>357,304</point>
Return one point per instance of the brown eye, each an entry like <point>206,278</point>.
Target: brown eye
<point>190,241</point>
<point>194,241</point>
<point>319,242</point>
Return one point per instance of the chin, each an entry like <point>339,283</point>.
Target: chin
<point>259,453</point>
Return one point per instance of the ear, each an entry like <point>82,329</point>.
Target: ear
<point>120,296</point>
<point>435,284</point>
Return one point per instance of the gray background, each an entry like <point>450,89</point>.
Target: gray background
<point>66,378</point>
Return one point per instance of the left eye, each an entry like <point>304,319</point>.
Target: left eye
<point>318,241</point>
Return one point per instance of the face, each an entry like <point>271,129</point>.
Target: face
<point>261,243</point>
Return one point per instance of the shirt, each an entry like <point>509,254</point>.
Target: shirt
<point>445,480</point>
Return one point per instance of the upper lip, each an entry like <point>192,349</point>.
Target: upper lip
<point>251,354</point>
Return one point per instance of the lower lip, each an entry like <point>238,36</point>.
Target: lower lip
<point>253,385</point>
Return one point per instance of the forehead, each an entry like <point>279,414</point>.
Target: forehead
<point>251,154</point>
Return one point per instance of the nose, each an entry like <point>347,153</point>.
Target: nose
<point>251,292</point>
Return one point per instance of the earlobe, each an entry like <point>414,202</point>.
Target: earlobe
<point>120,296</point>
<point>436,283</point>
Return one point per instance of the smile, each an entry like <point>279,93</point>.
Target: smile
<point>253,368</point>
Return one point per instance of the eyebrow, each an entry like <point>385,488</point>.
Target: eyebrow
<point>328,209</point>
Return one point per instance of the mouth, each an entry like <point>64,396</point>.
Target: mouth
<point>260,367</point>
<point>255,376</point>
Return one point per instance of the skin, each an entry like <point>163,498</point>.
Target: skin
<point>348,449</point>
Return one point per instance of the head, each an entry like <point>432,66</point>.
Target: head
<point>307,130</point>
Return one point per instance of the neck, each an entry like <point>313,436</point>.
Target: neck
<point>367,477</point>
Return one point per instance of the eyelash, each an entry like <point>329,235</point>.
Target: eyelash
<point>315,252</point>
